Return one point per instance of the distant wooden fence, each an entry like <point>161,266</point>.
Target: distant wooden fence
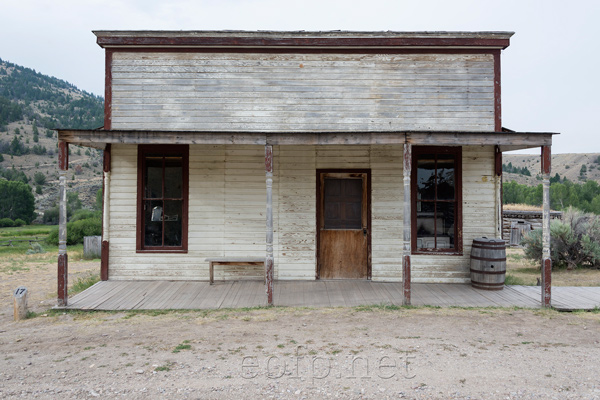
<point>7,243</point>
<point>92,246</point>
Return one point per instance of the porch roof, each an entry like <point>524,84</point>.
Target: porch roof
<point>507,141</point>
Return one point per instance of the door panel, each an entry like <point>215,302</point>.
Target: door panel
<point>344,225</point>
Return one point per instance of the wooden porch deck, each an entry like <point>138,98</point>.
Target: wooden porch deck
<point>148,295</point>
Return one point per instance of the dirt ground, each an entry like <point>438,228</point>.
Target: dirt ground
<point>290,353</point>
<point>528,271</point>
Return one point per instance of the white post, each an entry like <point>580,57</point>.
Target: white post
<point>269,260</point>
<point>546,260</point>
<point>62,238</point>
<point>105,211</point>
<point>407,225</point>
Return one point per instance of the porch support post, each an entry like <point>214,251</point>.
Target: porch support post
<point>269,260</point>
<point>105,214</point>
<point>407,225</point>
<point>546,260</point>
<point>498,189</point>
<point>63,264</point>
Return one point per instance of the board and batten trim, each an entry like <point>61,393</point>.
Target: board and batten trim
<point>108,89</point>
<point>497,92</point>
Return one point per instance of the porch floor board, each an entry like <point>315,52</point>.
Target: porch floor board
<point>131,295</point>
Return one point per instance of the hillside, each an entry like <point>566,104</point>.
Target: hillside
<point>565,165</point>
<point>31,105</point>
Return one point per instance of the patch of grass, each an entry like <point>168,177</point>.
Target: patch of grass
<point>380,307</point>
<point>513,280</point>
<point>166,367</point>
<point>83,283</point>
<point>182,346</point>
<point>27,230</point>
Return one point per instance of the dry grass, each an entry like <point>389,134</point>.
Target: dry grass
<point>527,272</point>
<point>521,207</point>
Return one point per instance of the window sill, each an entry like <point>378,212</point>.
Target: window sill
<point>177,251</point>
<point>436,253</point>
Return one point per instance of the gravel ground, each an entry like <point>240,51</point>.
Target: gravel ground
<point>287,353</point>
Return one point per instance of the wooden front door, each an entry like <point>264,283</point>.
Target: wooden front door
<point>344,226</point>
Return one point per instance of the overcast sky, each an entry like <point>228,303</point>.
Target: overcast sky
<point>550,72</point>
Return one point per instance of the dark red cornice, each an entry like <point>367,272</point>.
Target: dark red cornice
<point>309,42</point>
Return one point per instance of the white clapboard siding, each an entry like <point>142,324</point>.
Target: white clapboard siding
<point>227,207</point>
<point>302,92</point>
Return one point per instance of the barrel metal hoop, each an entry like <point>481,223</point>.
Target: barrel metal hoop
<point>487,258</point>
<point>478,271</point>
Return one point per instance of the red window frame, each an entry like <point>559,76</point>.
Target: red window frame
<point>456,151</point>
<point>164,150</point>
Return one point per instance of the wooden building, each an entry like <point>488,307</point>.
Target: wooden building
<point>320,155</point>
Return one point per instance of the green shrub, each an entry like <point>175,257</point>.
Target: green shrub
<point>51,216</point>
<point>76,230</point>
<point>19,222</point>
<point>36,248</point>
<point>574,241</point>
<point>6,223</point>
<point>85,214</point>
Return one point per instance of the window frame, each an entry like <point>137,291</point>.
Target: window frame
<point>164,150</point>
<point>456,151</point>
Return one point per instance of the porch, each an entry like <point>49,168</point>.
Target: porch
<point>146,295</point>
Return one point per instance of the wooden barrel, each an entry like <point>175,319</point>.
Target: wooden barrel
<point>488,263</point>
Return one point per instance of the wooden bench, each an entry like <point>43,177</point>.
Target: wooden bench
<point>232,261</point>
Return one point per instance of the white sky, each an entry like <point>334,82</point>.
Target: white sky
<point>550,77</point>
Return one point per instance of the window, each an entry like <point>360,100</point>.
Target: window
<point>162,198</point>
<point>436,200</point>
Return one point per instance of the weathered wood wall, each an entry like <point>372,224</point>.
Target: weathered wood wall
<point>227,211</point>
<point>302,92</point>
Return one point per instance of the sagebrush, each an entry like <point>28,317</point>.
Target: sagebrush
<point>574,241</point>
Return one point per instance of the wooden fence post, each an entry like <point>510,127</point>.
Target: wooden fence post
<point>20,303</point>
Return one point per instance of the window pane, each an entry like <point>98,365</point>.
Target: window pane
<point>425,225</point>
<point>426,177</point>
<point>153,184</point>
<point>173,219</point>
<point>445,227</point>
<point>173,177</point>
<point>153,216</point>
<point>342,203</point>
<point>445,177</point>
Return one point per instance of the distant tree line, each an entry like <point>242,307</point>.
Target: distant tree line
<point>25,93</point>
<point>585,197</point>
<point>515,170</point>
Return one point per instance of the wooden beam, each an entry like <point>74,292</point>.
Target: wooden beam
<point>406,254</point>
<point>63,155</point>
<point>269,260</point>
<point>512,140</point>
<point>479,139</point>
<point>106,162</point>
